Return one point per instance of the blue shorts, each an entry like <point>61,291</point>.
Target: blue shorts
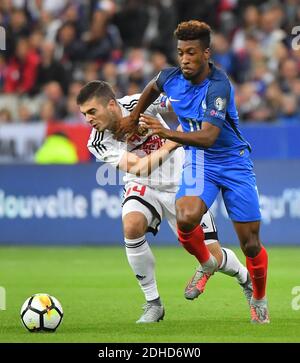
<point>235,179</point>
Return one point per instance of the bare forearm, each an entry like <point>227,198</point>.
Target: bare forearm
<point>149,95</point>
<point>197,138</point>
<point>148,164</point>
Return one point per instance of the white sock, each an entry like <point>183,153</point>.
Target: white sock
<point>142,262</point>
<point>231,266</point>
<point>211,265</point>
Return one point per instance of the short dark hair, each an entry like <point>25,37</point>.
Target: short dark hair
<point>194,30</point>
<point>99,89</point>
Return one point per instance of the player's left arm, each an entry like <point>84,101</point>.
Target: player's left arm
<point>144,166</point>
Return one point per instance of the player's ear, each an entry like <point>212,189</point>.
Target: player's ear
<point>207,53</point>
<point>111,104</point>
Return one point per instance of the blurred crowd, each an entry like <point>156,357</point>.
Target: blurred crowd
<point>53,47</point>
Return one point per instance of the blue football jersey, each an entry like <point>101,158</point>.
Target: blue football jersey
<point>211,101</point>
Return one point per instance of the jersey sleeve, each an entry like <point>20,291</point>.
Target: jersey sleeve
<point>217,100</point>
<point>105,148</point>
<point>162,76</point>
<point>160,105</point>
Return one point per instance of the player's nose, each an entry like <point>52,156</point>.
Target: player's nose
<point>185,60</point>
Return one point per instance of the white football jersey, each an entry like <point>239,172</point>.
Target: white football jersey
<point>106,149</point>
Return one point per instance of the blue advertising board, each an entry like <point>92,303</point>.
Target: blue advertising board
<point>65,205</point>
<point>277,141</point>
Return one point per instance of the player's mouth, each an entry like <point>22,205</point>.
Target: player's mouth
<point>95,125</point>
<point>187,70</point>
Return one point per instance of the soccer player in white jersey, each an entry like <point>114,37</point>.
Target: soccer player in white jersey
<point>153,167</point>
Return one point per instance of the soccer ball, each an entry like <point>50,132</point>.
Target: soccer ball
<point>41,312</point>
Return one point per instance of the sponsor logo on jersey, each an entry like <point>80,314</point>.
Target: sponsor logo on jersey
<point>215,113</point>
<point>153,143</point>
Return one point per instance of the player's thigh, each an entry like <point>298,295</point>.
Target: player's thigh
<point>190,207</point>
<point>167,201</point>
<point>241,197</point>
<point>192,176</point>
<point>197,181</point>
<point>141,199</point>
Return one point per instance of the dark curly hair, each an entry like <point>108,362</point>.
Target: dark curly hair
<point>194,30</point>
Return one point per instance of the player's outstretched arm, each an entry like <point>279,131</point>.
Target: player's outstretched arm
<point>144,166</point>
<point>206,137</point>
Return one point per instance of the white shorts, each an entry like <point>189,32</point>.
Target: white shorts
<point>156,205</point>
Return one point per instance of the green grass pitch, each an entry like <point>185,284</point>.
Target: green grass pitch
<point>102,301</point>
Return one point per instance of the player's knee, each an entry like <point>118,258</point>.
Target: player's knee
<point>186,220</point>
<point>134,225</point>
<point>189,212</point>
<point>251,245</point>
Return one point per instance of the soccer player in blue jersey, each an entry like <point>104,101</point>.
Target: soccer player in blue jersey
<point>217,158</point>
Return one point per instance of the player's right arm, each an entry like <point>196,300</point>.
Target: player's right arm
<point>108,150</point>
<point>148,96</point>
<point>151,92</point>
<point>144,166</point>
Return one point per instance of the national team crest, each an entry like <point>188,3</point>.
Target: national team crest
<point>220,103</point>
